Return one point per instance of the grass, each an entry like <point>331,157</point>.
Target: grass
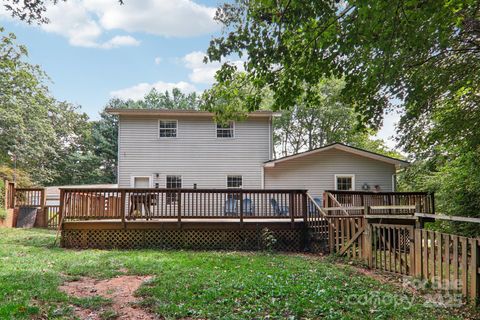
<point>215,285</point>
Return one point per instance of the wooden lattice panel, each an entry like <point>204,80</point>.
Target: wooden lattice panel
<point>287,240</point>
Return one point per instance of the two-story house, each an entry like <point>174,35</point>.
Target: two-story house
<point>187,149</point>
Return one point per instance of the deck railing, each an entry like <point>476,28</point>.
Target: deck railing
<point>380,203</point>
<point>29,197</point>
<point>131,204</point>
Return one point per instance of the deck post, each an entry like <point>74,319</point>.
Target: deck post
<point>123,203</point>
<point>292,208</point>
<point>6,183</point>
<point>305,207</point>
<point>179,207</point>
<point>367,238</point>
<point>475,265</point>
<point>61,209</point>
<point>43,203</point>
<point>240,196</point>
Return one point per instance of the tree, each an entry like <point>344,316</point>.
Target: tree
<point>322,120</point>
<point>422,53</point>
<point>26,133</point>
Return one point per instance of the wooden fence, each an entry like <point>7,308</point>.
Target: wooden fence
<point>85,204</point>
<point>52,214</point>
<point>449,262</point>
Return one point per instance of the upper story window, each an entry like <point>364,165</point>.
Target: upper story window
<point>234,182</point>
<point>226,130</point>
<point>345,182</point>
<point>167,128</point>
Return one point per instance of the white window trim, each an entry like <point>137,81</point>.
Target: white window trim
<point>345,175</point>
<point>232,175</point>
<point>158,129</point>
<point>132,180</point>
<point>233,128</point>
<point>394,182</point>
<point>171,175</point>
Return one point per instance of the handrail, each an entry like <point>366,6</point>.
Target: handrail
<point>151,203</point>
<point>380,193</point>
<point>448,218</point>
<point>182,190</point>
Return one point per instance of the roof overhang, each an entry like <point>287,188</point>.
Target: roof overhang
<point>181,112</point>
<point>343,147</point>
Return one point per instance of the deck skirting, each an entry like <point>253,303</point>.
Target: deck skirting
<point>286,238</point>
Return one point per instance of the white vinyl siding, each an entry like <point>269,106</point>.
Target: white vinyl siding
<point>316,172</point>
<point>196,153</point>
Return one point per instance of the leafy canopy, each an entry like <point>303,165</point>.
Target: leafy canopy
<point>421,53</point>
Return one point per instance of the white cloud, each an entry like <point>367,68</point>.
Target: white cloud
<point>138,91</point>
<point>158,60</point>
<point>85,22</point>
<point>74,21</point>
<point>119,41</point>
<point>201,72</point>
<point>179,18</point>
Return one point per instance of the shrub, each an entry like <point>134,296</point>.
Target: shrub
<point>268,239</point>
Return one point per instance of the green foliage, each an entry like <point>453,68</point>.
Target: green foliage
<point>175,99</point>
<point>454,177</point>
<point>26,132</point>
<point>207,285</point>
<point>421,53</point>
<point>268,240</point>
<point>321,121</point>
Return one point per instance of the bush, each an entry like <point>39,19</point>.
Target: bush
<point>268,239</point>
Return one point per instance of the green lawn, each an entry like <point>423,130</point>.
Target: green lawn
<point>213,285</point>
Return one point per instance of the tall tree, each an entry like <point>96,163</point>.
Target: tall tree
<point>322,120</point>
<point>423,53</point>
<point>26,134</point>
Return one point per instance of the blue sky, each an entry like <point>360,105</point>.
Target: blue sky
<point>94,50</point>
<point>87,69</point>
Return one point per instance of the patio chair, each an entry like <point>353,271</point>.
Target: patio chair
<point>231,206</point>
<point>248,206</point>
<point>277,209</point>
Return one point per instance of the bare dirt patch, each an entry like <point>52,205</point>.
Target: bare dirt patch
<point>119,290</point>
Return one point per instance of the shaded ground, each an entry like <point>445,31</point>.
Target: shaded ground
<point>41,281</point>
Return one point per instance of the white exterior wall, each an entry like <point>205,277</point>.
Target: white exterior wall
<point>316,172</point>
<point>196,153</point>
